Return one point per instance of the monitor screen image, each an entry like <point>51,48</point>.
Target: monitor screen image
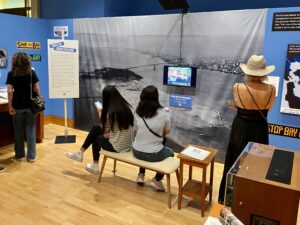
<point>180,76</point>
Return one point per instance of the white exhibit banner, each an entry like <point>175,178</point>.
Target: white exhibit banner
<point>290,99</point>
<point>63,64</point>
<point>273,80</point>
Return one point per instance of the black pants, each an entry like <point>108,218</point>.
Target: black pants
<point>98,141</point>
<point>158,176</point>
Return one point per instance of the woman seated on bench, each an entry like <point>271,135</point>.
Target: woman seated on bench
<point>152,123</point>
<point>115,132</point>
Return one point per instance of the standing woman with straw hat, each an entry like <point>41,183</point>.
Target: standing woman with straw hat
<point>253,100</point>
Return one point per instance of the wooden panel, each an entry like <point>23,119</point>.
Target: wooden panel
<point>216,209</point>
<point>274,202</point>
<point>40,128</point>
<point>6,130</point>
<point>192,188</point>
<point>58,121</point>
<point>254,194</point>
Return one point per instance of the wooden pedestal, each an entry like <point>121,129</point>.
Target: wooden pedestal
<point>255,196</point>
<point>6,127</point>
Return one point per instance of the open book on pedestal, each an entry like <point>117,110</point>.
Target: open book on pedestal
<point>195,152</point>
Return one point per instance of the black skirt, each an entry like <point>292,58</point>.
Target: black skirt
<point>247,126</point>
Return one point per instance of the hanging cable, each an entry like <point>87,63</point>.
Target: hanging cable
<point>181,34</point>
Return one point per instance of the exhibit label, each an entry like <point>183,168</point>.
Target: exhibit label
<point>59,30</point>
<point>285,131</point>
<point>63,65</point>
<point>286,21</point>
<point>55,45</point>
<point>182,101</point>
<point>290,98</point>
<point>28,45</point>
<point>35,57</point>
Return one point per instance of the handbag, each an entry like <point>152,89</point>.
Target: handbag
<point>156,134</point>
<point>37,103</point>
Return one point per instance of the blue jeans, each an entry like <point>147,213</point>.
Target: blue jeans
<point>153,157</point>
<point>25,120</point>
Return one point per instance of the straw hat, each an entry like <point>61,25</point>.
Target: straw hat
<point>257,66</point>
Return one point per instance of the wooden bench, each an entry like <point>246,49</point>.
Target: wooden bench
<point>166,166</point>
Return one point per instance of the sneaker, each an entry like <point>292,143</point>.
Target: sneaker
<point>92,168</point>
<point>2,169</point>
<point>140,178</point>
<point>31,160</point>
<point>78,156</point>
<point>157,185</point>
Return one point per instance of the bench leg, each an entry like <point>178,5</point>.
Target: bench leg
<point>102,168</point>
<point>115,165</point>
<point>177,176</point>
<point>169,190</point>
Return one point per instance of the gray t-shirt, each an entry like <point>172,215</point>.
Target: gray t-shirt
<point>145,141</point>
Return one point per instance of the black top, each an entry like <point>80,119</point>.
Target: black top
<point>252,114</point>
<point>21,85</point>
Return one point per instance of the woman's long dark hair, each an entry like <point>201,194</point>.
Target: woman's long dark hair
<point>149,102</point>
<point>116,108</point>
<point>20,64</point>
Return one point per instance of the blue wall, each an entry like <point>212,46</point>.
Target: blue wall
<point>18,28</point>
<point>275,51</point>
<point>118,8</point>
<point>58,9</point>
<point>62,9</point>
<point>38,30</point>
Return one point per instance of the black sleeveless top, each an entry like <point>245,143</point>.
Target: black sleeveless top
<point>252,114</point>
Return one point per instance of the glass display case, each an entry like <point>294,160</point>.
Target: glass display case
<point>261,184</point>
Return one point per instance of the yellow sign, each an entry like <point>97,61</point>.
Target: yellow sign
<point>282,130</point>
<point>28,45</point>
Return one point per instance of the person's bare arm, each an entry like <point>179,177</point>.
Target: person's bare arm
<point>106,131</point>
<point>99,111</point>
<point>36,88</point>
<point>273,98</point>
<point>167,128</point>
<point>232,103</point>
<point>166,131</point>
<point>10,92</point>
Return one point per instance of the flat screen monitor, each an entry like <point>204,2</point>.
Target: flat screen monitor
<point>180,76</point>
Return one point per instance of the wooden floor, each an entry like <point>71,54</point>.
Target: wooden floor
<point>57,190</point>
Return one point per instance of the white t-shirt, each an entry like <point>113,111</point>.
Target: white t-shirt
<point>145,141</point>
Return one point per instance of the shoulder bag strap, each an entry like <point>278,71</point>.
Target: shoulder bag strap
<point>156,134</point>
<point>255,102</point>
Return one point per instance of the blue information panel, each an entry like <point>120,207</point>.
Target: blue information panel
<point>182,101</point>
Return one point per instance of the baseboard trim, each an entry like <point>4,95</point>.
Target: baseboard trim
<point>58,121</point>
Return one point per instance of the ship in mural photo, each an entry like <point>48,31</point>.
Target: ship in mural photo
<point>132,61</point>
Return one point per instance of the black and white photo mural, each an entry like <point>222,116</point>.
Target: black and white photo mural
<point>130,52</point>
